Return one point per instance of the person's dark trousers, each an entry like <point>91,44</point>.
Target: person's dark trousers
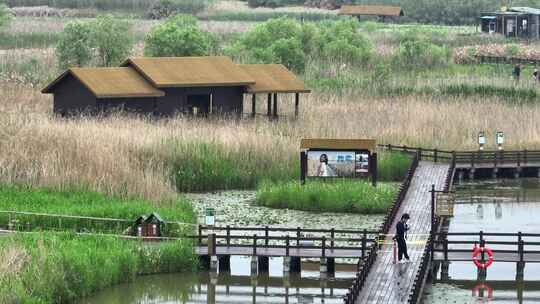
<point>402,249</point>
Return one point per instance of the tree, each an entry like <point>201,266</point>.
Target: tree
<point>112,39</point>
<point>74,46</point>
<point>179,36</point>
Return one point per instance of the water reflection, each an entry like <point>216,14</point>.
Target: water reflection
<point>211,288</point>
<point>492,206</point>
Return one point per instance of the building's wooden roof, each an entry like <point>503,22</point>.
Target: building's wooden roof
<point>373,10</point>
<point>190,71</point>
<point>273,78</point>
<point>338,144</point>
<point>109,82</point>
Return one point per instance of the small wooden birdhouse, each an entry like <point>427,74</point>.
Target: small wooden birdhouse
<point>138,226</point>
<point>153,225</point>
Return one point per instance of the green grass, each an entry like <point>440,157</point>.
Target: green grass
<point>335,196</point>
<point>490,90</point>
<point>62,267</point>
<point>83,203</point>
<point>35,40</point>
<point>264,16</point>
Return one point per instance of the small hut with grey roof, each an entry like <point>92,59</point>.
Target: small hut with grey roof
<point>172,85</point>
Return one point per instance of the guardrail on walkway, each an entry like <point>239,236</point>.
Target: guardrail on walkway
<point>364,266</point>
<point>471,157</point>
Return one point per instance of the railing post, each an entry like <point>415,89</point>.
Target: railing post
<point>287,244</point>
<point>200,235</point>
<point>298,236</point>
<point>520,246</point>
<point>332,234</point>
<point>323,246</point>
<point>525,156</point>
<point>364,243</point>
<point>228,235</point>
<point>435,155</point>
<point>445,244</point>
<point>255,245</point>
<point>482,244</point>
<point>266,235</point>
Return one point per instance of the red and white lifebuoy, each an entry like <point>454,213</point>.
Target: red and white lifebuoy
<point>477,288</point>
<point>477,251</point>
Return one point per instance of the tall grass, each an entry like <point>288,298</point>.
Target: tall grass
<point>332,196</point>
<point>266,15</point>
<point>393,166</point>
<point>62,267</point>
<point>27,40</point>
<point>84,204</point>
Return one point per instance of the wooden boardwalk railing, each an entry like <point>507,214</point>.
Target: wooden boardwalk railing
<point>472,158</point>
<point>525,247</point>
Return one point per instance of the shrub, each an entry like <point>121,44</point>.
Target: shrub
<point>74,45</point>
<point>340,40</point>
<point>415,50</point>
<point>167,8</point>
<point>179,36</point>
<point>112,40</point>
<point>273,3</point>
<point>106,38</point>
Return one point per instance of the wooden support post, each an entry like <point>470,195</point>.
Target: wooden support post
<point>269,108</point>
<point>253,105</point>
<point>224,263</point>
<point>275,105</point>
<point>374,168</point>
<point>287,244</point>
<point>331,265</point>
<point>432,230</point>
<point>364,243</point>
<point>296,104</point>
<point>445,248</point>
<point>323,246</point>
<point>298,236</point>
<point>228,238</point>
<point>263,263</point>
<point>266,235</point>
<point>295,265</point>
<point>254,245</point>
<point>200,235</point>
<point>332,235</point>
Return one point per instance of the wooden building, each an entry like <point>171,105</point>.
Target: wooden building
<point>516,22</point>
<point>381,11</point>
<point>169,86</point>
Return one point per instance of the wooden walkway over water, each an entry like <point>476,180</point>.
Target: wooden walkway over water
<point>392,283</point>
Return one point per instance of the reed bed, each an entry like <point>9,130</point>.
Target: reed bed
<point>127,156</point>
<point>63,267</point>
<point>328,196</point>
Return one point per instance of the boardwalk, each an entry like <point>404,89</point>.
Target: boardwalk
<point>389,283</point>
<point>280,252</point>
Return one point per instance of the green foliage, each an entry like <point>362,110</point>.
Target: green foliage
<point>341,41</point>
<point>415,50</point>
<point>112,39</point>
<point>166,8</point>
<point>511,50</point>
<point>290,43</point>
<point>106,5</point>
<point>106,38</point>
<point>74,45</point>
<point>393,166</point>
<point>179,36</point>
<point>490,90</point>
<point>5,17</point>
<point>63,267</point>
<point>82,203</point>
<point>199,166</point>
<point>337,196</point>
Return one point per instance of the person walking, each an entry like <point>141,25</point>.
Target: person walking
<point>401,235</point>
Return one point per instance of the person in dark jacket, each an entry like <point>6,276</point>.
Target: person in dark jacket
<point>401,235</point>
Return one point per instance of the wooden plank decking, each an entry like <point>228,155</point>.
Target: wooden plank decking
<point>392,283</point>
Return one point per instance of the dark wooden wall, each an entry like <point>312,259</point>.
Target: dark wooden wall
<point>72,97</point>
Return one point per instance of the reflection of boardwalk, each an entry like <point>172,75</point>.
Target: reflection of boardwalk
<point>389,283</point>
